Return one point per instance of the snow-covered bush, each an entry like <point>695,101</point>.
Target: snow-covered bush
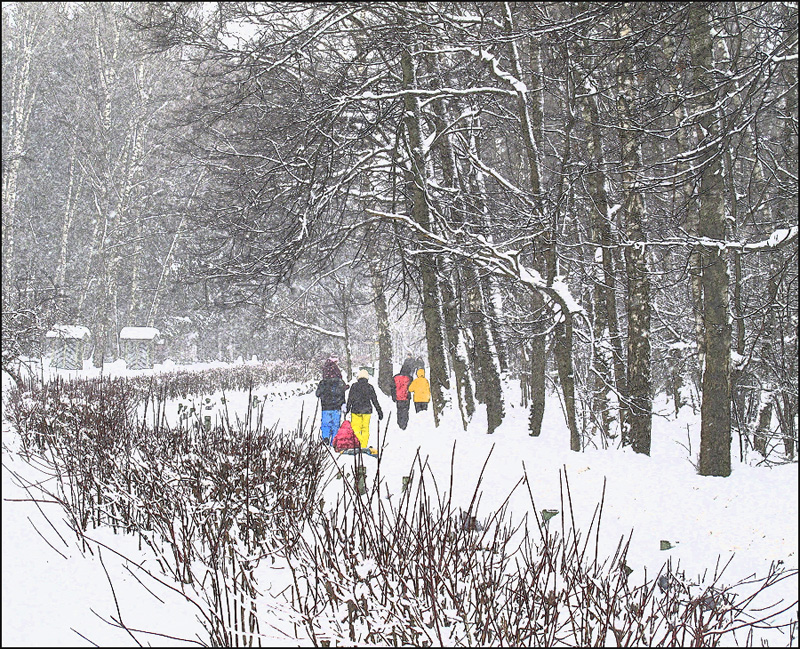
<point>419,573</point>
<point>208,500</point>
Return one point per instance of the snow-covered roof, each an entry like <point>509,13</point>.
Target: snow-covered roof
<point>138,333</point>
<point>67,331</point>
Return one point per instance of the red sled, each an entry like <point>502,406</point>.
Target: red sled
<point>345,438</point>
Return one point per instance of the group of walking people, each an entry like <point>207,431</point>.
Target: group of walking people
<point>410,380</point>
<point>337,403</point>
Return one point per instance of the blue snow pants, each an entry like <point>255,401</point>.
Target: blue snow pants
<point>330,424</point>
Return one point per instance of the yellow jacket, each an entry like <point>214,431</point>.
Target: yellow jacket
<point>420,387</point>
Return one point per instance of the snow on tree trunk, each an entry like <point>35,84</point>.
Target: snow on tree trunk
<point>763,428</point>
<point>494,303</point>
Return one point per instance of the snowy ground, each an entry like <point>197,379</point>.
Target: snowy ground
<point>54,594</point>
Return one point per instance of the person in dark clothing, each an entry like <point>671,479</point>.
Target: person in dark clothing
<point>409,367</point>
<point>401,397</point>
<point>359,402</point>
<point>331,395</point>
<point>418,365</point>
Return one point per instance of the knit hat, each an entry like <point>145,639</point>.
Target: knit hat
<point>362,374</point>
<point>330,370</point>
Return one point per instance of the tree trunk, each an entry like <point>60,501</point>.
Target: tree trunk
<point>73,193</point>
<point>563,339</point>
<point>348,355</point>
<point>455,336</point>
<point>457,347</point>
<point>601,377</point>
<point>490,288</point>
<point>487,369</point>
<point>494,304</point>
<point>605,290</point>
<point>105,188</point>
<point>715,409</point>
<point>431,296</point>
<point>738,395</point>
<point>385,369</point>
<point>687,199</point>
<point>135,310</point>
<point>787,415</point>
<point>531,124</point>
<point>538,369</point>
<point>33,26</point>
<point>763,428</point>
<point>638,383</point>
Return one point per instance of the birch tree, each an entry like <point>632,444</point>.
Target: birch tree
<point>30,26</point>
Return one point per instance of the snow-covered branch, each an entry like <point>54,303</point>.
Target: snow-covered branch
<point>489,257</point>
<point>306,325</point>
<point>431,94</point>
<point>780,238</point>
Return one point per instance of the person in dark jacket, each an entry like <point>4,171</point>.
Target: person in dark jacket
<point>359,402</point>
<point>401,397</point>
<point>409,367</point>
<point>331,395</point>
<point>418,365</point>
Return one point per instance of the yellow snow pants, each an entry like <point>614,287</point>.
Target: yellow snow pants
<point>360,425</point>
